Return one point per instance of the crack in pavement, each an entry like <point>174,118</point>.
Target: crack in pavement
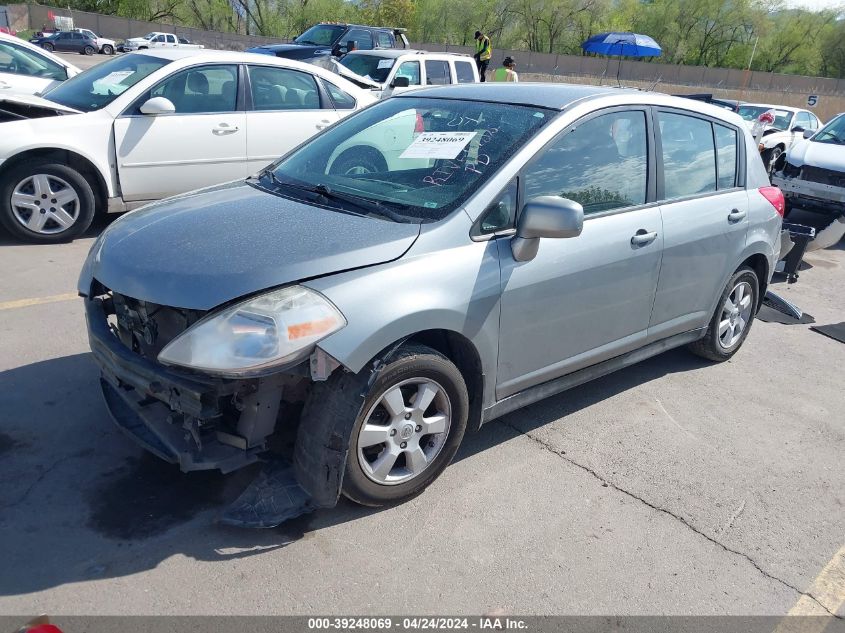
<point>677,517</point>
<point>37,481</point>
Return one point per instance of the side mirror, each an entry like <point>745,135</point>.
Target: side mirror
<point>797,129</point>
<point>545,216</point>
<point>338,50</point>
<point>158,105</point>
<point>808,133</point>
<point>401,82</point>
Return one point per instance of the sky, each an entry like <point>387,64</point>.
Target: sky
<point>816,5</point>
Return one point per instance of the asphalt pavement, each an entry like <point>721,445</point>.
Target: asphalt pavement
<point>673,487</point>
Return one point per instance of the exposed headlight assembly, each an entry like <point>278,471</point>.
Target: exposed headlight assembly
<point>257,335</point>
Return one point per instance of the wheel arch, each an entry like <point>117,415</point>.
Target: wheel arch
<point>760,265</point>
<point>72,159</point>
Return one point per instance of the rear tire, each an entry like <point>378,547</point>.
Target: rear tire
<point>108,49</point>
<point>732,319</point>
<point>88,50</point>
<point>52,202</point>
<point>357,161</point>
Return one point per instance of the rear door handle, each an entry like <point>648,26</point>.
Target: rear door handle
<point>224,128</point>
<point>643,237</point>
<point>4,85</point>
<point>735,215</point>
<point>322,125</point>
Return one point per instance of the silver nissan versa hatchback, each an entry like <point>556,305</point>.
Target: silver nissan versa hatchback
<point>422,267</point>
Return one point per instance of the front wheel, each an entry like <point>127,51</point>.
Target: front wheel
<point>48,47</point>
<point>732,320</point>
<point>770,158</point>
<point>45,202</point>
<point>108,49</point>
<point>407,429</point>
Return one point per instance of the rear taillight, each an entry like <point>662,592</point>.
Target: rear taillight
<point>775,197</point>
<point>420,126</point>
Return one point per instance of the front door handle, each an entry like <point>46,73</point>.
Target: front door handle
<point>735,215</point>
<point>322,125</point>
<point>224,128</point>
<point>643,237</point>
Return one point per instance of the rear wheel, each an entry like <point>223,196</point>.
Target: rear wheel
<point>359,161</point>
<point>108,49</point>
<point>42,201</point>
<point>732,320</point>
<point>88,50</point>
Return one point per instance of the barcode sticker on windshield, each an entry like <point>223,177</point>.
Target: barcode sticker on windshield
<point>385,63</point>
<point>438,145</point>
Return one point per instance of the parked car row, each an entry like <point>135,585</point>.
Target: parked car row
<point>26,68</point>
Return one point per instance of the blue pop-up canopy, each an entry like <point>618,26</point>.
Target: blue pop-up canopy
<point>622,44</point>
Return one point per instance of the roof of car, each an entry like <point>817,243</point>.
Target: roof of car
<point>398,52</point>
<point>543,95</point>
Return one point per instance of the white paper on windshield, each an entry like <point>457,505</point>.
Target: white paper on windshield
<point>113,80</point>
<point>385,63</point>
<point>438,145</point>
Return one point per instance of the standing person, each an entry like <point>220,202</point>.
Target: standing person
<point>483,53</point>
<point>506,72</point>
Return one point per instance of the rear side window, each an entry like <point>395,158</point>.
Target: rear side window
<point>602,164</point>
<point>363,40</point>
<point>689,155</point>
<point>726,155</point>
<point>341,100</point>
<point>385,40</point>
<point>464,72</point>
<point>437,73</point>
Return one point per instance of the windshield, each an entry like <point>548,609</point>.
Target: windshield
<point>782,117</point>
<point>321,35</point>
<point>833,132</point>
<point>99,86</point>
<point>149,36</point>
<point>406,159</point>
<point>370,66</point>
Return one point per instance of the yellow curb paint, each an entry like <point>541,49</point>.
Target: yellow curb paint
<point>25,303</point>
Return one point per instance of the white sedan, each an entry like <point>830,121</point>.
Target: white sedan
<point>153,124</point>
<point>28,69</point>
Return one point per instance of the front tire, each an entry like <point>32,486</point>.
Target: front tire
<point>732,319</point>
<point>48,47</point>
<point>770,158</point>
<point>45,202</point>
<point>405,431</point>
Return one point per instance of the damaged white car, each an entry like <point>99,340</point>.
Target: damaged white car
<point>776,128</point>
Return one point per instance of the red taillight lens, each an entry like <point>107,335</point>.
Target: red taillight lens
<point>420,126</point>
<point>44,628</point>
<point>775,197</point>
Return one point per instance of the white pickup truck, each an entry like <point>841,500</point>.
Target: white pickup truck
<point>157,39</point>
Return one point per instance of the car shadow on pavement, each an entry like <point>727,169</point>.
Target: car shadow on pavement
<point>79,501</point>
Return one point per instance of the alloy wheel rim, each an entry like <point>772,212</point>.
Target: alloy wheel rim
<point>736,313</point>
<point>45,204</point>
<point>404,431</point>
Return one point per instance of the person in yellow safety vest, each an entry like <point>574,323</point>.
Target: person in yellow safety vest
<point>506,72</point>
<point>483,53</point>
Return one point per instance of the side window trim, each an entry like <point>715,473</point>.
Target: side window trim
<point>741,164</point>
<point>240,89</point>
<point>652,175</point>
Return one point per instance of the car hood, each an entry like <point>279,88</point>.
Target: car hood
<point>201,250</point>
<point>358,80</point>
<point>138,40</point>
<point>824,155</point>
<point>18,106</point>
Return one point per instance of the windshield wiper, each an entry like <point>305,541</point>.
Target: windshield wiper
<point>372,207</point>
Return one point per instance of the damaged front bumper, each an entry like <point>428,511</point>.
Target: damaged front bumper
<point>812,194</point>
<point>189,420</point>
